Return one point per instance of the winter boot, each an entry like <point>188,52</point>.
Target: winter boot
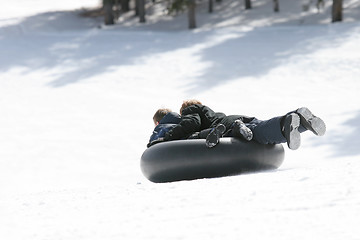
<point>241,130</point>
<point>215,134</point>
<point>311,122</point>
<point>290,130</point>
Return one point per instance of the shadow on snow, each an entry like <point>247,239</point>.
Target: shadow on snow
<point>346,144</point>
<point>81,54</point>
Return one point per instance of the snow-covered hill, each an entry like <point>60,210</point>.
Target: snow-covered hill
<point>77,101</point>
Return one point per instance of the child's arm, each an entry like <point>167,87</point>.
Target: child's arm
<point>189,124</point>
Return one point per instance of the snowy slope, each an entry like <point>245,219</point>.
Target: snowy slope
<point>76,103</point>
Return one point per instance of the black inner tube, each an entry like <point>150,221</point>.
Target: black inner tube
<point>191,159</point>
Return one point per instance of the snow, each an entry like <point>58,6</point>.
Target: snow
<point>77,100</point>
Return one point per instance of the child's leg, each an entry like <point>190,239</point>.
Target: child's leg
<point>204,133</point>
<point>268,131</point>
<point>272,131</point>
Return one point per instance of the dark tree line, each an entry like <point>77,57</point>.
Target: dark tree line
<point>110,7</point>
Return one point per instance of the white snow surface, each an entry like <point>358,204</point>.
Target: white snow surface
<point>77,100</point>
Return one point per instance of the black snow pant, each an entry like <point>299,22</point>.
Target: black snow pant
<point>264,131</point>
<point>269,131</point>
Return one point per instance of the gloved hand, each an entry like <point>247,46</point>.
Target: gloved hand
<point>159,140</point>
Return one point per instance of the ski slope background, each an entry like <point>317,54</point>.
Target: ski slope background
<point>77,100</point>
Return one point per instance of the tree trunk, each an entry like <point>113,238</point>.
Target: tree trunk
<point>247,4</point>
<point>337,11</point>
<point>211,6</point>
<point>276,6</point>
<point>136,7</point>
<point>191,14</point>
<point>108,12</point>
<point>124,5</point>
<point>142,10</point>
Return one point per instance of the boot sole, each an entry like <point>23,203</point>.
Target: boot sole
<point>311,122</point>
<point>292,123</point>
<point>213,138</point>
<point>244,131</point>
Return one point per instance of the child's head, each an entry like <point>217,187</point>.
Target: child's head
<point>159,114</point>
<point>188,103</point>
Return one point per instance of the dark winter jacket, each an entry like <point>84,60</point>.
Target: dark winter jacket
<point>199,117</point>
<point>166,123</point>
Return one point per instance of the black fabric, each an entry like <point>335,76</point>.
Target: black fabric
<point>228,121</point>
<point>198,117</point>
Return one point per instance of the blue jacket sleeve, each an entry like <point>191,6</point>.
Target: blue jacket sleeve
<point>160,131</point>
<point>154,136</point>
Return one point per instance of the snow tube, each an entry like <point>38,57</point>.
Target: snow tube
<point>191,159</point>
